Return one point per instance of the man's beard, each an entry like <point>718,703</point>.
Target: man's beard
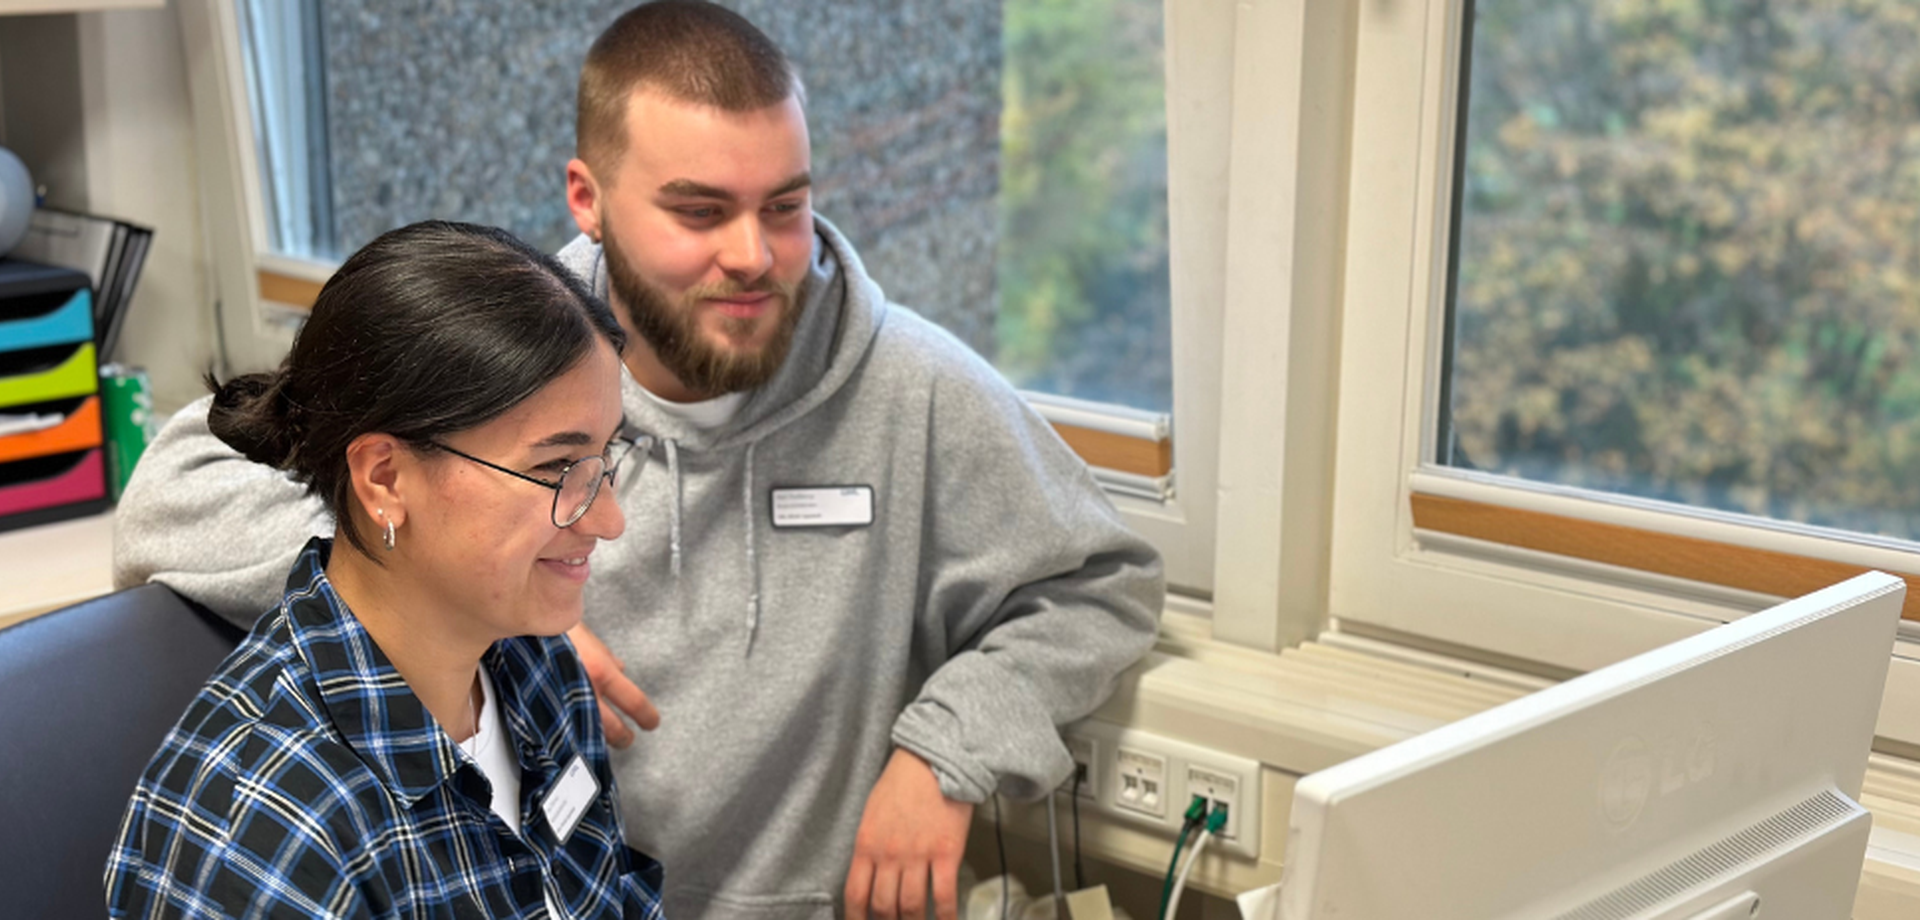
<point>674,332</point>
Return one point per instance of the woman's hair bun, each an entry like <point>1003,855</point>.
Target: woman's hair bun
<point>253,415</point>
<point>429,330</point>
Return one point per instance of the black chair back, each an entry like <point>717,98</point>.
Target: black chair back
<point>86,695</point>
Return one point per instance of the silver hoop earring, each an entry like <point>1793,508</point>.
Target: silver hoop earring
<point>388,536</point>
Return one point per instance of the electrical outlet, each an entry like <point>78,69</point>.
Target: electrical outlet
<point>1148,780</point>
<point>1143,782</point>
<point>1221,790</point>
<point>1086,767</point>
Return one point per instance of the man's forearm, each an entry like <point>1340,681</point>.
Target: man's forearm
<point>988,719</point>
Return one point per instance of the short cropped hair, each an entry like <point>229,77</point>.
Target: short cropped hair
<point>691,51</point>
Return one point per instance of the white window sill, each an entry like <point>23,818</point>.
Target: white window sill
<point>49,566</point>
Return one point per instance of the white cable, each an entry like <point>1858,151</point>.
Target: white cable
<point>1180,884</point>
<point>1053,849</point>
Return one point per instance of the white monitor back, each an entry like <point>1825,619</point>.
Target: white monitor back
<point>1712,778</point>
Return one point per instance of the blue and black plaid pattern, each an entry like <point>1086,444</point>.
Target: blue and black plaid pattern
<point>306,780</point>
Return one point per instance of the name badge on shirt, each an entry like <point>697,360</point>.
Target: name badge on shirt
<point>569,798</point>
<point>823,506</point>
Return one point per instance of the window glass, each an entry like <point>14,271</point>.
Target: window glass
<point>1084,304</point>
<point>1001,169</point>
<point>282,55</point>
<point>1687,258</point>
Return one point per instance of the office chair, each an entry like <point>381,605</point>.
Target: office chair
<point>86,694</point>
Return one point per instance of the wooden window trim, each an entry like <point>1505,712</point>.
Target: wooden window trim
<point>1139,456</point>
<point>1691,558</point>
<point>288,290</point>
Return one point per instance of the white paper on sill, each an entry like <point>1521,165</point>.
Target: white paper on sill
<point>1260,903</point>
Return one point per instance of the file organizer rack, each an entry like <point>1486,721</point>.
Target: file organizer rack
<point>48,369</point>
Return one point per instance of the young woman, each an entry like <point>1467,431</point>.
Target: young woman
<point>408,734</point>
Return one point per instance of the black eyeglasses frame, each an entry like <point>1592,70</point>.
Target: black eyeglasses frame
<point>606,477</point>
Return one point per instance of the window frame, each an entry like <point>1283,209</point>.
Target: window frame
<point>1392,575</point>
<point>261,294</point>
<point>252,334</point>
<point>1256,262</point>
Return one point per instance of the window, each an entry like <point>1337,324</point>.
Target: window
<point>1003,169</point>
<point>1648,250</point>
<point>285,67</point>
<point>1687,252</point>
<point>1082,258</point>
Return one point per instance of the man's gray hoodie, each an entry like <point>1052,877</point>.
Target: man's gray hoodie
<point>995,595</point>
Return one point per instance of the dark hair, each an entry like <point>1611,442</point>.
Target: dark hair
<point>692,51</point>
<point>430,329</point>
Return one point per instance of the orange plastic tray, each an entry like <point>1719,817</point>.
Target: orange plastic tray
<point>80,431</point>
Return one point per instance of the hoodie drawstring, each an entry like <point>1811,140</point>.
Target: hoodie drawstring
<point>746,503</point>
<point>753,559</point>
<point>673,516</point>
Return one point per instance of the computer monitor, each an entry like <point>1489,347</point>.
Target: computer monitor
<point>1714,778</point>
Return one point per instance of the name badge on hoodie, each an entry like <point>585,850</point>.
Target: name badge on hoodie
<point>823,506</point>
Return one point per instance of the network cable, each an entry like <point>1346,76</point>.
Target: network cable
<point>1216,821</point>
<point>1196,813</point>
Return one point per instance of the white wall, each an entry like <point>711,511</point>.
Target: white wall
<point>97,105</point>
<point>140,167</point>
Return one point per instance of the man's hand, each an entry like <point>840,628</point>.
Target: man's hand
<point>611,685</point>
<point>908,832</point>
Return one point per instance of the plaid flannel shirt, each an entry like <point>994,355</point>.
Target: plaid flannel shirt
<point>307,780</point>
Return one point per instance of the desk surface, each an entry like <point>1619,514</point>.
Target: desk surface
<point>50,566</point>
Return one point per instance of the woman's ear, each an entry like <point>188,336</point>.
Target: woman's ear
<point>375,462</point>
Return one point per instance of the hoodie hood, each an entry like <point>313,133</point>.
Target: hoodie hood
<point>841,311</point>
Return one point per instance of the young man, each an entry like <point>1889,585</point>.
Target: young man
<point>862,580</point>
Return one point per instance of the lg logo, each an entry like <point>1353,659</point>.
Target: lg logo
<point>1637,771</point>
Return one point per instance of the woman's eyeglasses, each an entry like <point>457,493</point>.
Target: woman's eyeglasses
<point>579,482</point>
